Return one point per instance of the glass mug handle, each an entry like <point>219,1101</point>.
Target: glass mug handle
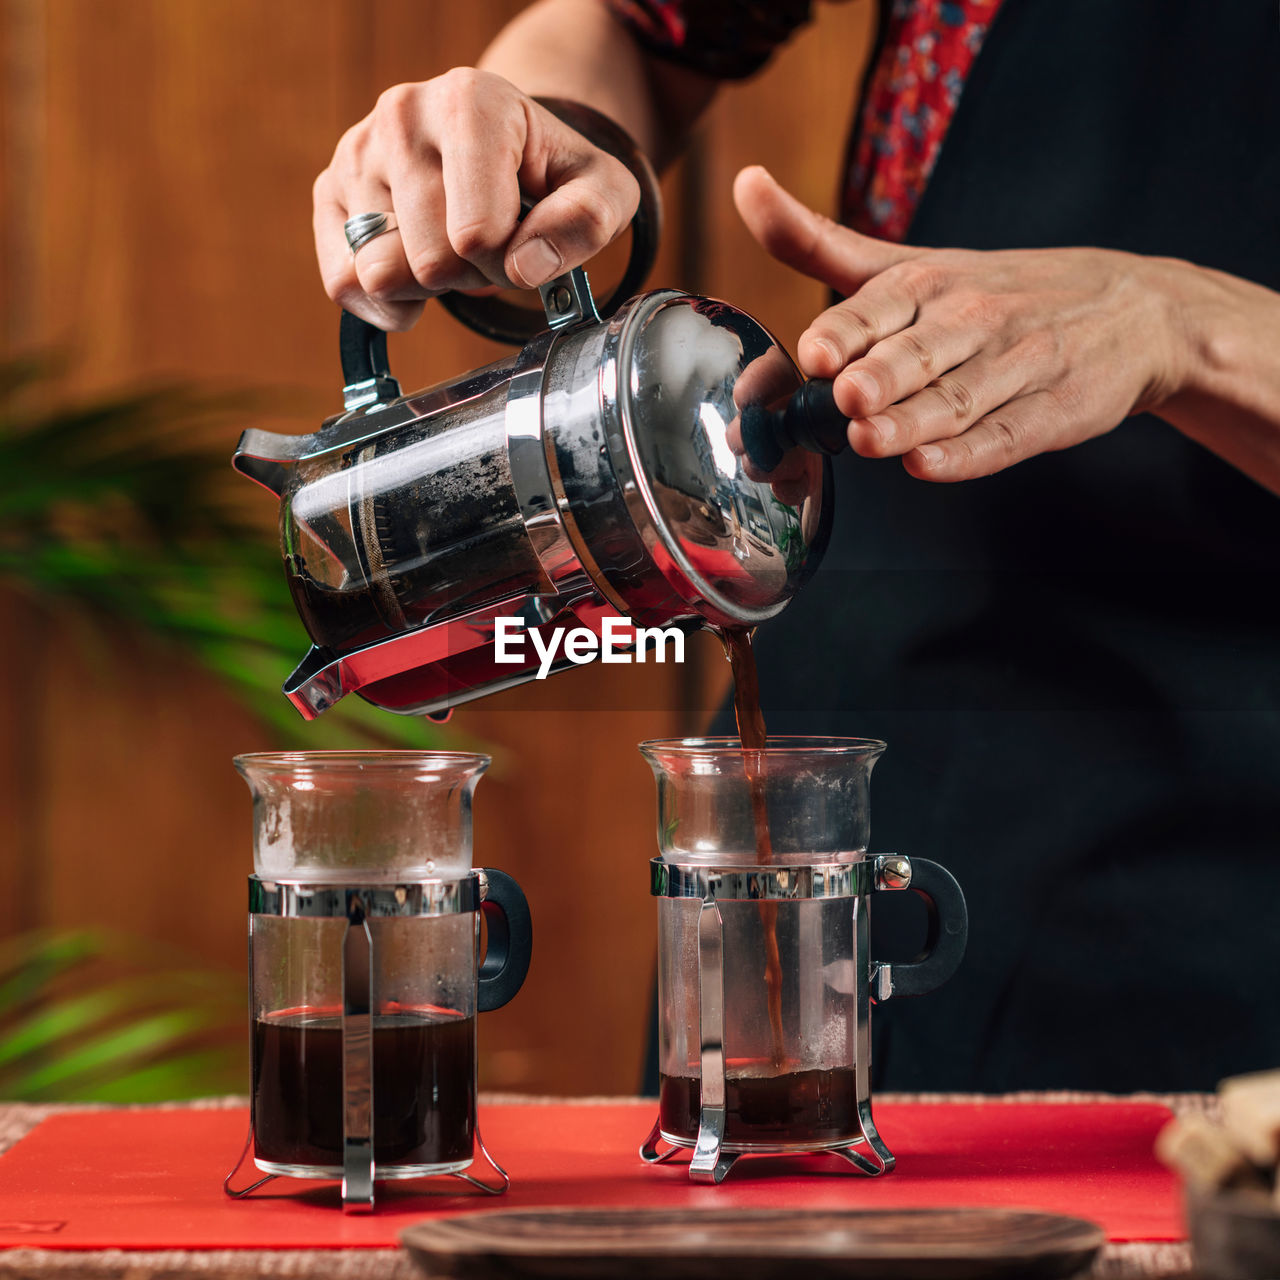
<point>948,929</point>
<point>510,928</point>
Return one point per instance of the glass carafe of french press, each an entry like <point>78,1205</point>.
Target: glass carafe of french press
<point>765,978</point>
<point>365,983</point>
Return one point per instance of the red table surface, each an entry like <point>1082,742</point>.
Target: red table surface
<point>153,1179</point>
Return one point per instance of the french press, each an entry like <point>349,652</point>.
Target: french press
<point>765,975</point>
<point>365,984</point>
<point>589,475</point>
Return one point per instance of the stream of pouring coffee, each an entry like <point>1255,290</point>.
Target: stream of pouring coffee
<point>752,733</point>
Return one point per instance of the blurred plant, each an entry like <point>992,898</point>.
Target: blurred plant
<point>115,511</point>
<point>89,1016</point>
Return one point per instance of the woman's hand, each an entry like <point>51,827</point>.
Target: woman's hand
<point>965,362</point>
<point>450,158</point>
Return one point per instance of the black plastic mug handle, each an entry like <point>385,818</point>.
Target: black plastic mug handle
<point>510,929</point>
<point>946,939</point>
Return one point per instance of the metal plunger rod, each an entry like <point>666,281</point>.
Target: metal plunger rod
<point>357,1060</point>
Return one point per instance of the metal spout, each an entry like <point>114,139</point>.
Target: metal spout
<point>267,458</point>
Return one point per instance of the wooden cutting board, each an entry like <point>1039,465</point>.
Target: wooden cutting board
<point>753,1244</point>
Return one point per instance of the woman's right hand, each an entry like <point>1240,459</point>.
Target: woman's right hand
<point>451,157</point>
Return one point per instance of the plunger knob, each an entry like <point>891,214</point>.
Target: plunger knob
<point>810,419</point>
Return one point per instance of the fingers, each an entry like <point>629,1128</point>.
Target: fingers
<point>850,329</point>
<point>586,199</point>
<point>338,268</point>
<point>447,153</point>
<point>381,267</point>
<point>805,240</point>
<point>450,157</point>
<point>571,225</point>
<point>888,303</point>
<point>429,263</point>
<point>482,140</point>
<point>947,406</point>
<point>901,365</point>
<point>1016,430</point>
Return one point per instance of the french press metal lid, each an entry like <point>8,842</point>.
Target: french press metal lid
<point>597,473</point>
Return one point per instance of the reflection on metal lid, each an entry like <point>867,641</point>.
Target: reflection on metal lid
<point>692,365</point>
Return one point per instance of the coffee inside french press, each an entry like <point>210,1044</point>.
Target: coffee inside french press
<point>297,1076</point>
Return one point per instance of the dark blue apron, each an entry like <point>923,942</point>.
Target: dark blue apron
<point>1076,662</point>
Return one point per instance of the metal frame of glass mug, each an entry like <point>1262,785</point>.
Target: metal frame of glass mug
<point>357,904</point>
<point>712,1156</point>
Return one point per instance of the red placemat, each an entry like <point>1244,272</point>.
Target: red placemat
<point>153,1179</point>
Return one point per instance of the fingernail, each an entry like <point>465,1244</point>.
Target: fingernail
<point>929,454</point>
<point>883,427</point>
<point>865,385</point>
<point>822,351</point>
<point>535,262</point>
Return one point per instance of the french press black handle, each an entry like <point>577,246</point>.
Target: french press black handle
<point>948,931</point>
<point>510,929</point>
<point>363,347</point>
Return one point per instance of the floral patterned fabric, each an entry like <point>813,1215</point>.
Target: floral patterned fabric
<point>926,50</point>
<point>914,88</point>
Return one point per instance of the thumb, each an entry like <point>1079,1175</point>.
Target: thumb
<point>585,199</point>
<point>796,235</point>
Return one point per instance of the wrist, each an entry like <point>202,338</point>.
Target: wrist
<point>1223,391</point>
<point>1175,330</point>
<point>1202,318</point>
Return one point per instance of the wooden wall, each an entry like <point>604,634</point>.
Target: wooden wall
<point>157,162</point>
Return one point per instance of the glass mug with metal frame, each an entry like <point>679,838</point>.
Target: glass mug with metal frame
<point>765,978</point>
<point>365,978</point>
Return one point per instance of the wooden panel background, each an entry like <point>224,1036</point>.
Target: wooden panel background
<point>157,163</point>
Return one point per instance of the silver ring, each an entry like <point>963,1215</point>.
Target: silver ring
<point>365,227</point>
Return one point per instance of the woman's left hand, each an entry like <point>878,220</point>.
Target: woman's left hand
<point>964,362</point>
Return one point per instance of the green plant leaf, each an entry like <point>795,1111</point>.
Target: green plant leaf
<point>89,1010</point>
<point>61,1020</point>
<point>109,510</point>
<point>191,1075</point>
<point>30,961</point>
<point>150,1036</point>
